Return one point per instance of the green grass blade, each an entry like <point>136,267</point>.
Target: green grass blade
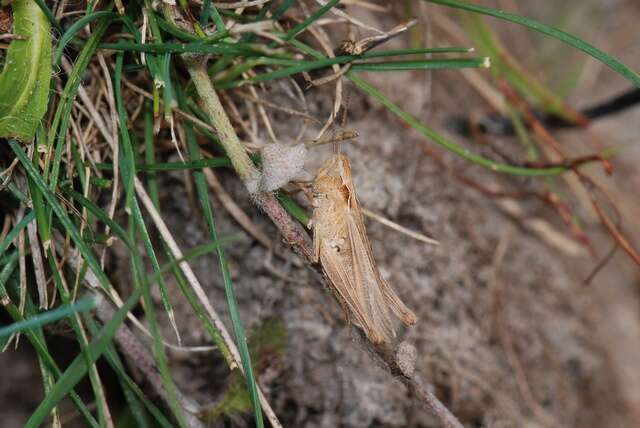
<point>128,174</point>
<point>100,215</point>
<point>281,10</point>
<point>69,226</point>
<point>78,368</point>
<point>5,273</point>
<point>36,338</point>
<point>449,145</point>
<point>17,194</point>
<point>13,233</point>
<point>77,26</point>
<point>164,48</point>
<point>210,9</point>
<point>60,123</point>
<point>175,166</point>
<point>427,64</point>
<point>414,51</point>
<point>238,329</point>
<point>548,30</point>
<point>43,318</point>
<point>149,155</point>
<point>505,67</point>
<point>310,20</point>
<point>442,64</point>
<point>294,209</point>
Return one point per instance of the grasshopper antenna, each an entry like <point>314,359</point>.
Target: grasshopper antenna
<point>343,120</point>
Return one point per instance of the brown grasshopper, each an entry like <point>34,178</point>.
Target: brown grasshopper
<point>343,249</point>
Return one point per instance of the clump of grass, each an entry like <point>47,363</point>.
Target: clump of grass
<point>93,146</point>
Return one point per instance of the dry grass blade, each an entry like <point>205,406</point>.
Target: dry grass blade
<point>338,137</point>
<point>236,4</point>
<point>350,19</point>
<point>545,230</point>
<point>361,46</point>
<point>323,39</point>
<point>399,228</point>
<point>38,265</point>
<point>277,107</point>
<point>115,147</point>
<point>22,263</point>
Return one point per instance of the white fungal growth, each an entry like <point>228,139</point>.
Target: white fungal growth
<point>406,355</point>
<point>281,164</point>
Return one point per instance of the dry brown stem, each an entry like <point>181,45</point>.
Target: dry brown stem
<point>139,356</point>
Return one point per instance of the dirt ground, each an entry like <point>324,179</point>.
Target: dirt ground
<point>508,334</point>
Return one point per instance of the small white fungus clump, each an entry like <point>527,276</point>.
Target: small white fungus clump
<point>281,164</point>
<point>406,355</point>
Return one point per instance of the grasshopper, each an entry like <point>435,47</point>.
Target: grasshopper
<point>343,249</point>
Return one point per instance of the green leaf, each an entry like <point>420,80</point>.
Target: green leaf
<point>24,82</point>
